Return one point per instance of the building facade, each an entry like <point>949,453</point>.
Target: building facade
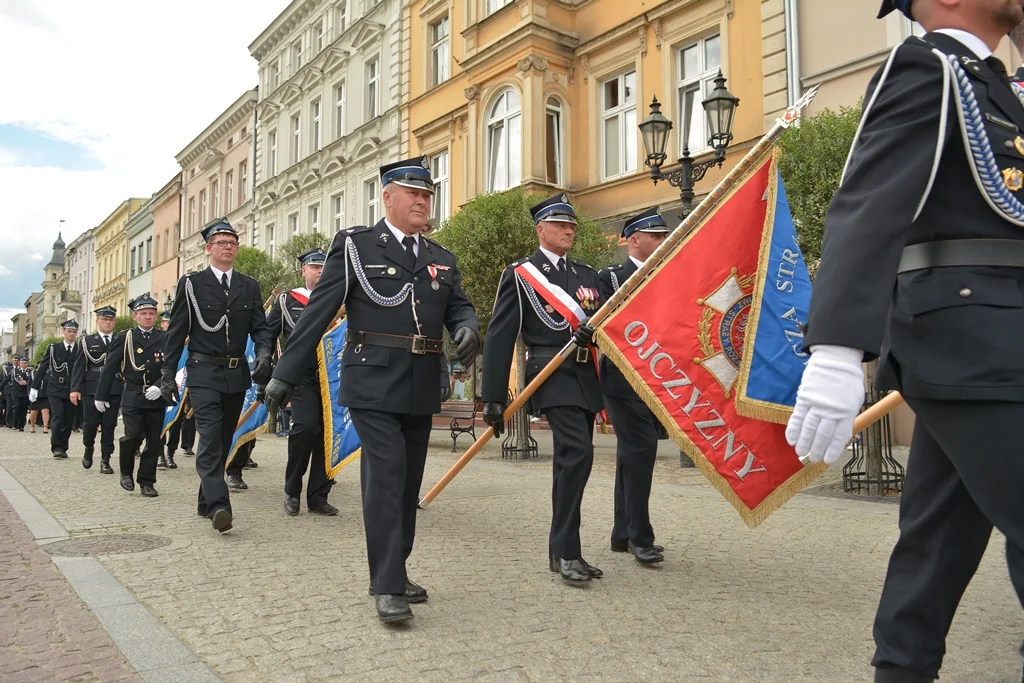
<point>327,116</point>
<point>548,94</point>
<point>111,280</point>
<point>215,180</point>
<point>20,331</point>
<point>80,260</point>
<point>36,331</point>
<point>139,231</point>
<point>50,311</point>
<point>166,210</point>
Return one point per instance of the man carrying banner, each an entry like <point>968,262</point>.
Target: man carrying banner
<point>545,298</point>
<point>55,366</point>
<point>217,310</point>
<point>401,290</point>
<point>923,264</point>
<point>84,378</point>
<point>306,438</point>
<point>637,430</point>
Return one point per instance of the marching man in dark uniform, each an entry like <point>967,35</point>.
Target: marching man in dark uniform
<point>923,265</point>
<point>637,430</point>
<point>135,360</point>
<point>85,376</point>
<point>401,290</point>
<point>21,378</point>
<point>306,438</point>
<point>56,366</point>
<point>5,372</point>
<point>537,298</point>
<point>218,310</point>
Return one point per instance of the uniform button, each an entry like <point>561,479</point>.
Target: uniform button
<point>417,300</point>
<point>416,278</point>
<point>965,292</point>
<point>363,360</point>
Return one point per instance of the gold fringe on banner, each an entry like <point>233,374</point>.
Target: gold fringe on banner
<point>326,407</point>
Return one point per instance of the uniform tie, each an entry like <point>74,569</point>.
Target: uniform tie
<point>998,68</point>
<point>106,341</point>
<point>409,242</point>
<point>145,334</point>
<point>563,277</point>
<point>224,282</point>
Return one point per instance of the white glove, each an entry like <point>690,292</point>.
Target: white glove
<point>33,395</point>
<point>830,397</point>
<point>101,405</point>
<point>152,393</point>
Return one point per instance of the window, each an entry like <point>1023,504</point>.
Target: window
<point>167,243</point>
<point>339,110</point>
<point>314,218</point>
<point>202,208</point>
<point>495,5</point>
<point>133,262</point>
<point>314,138</point>
<point>272,152</point>
<point>270,240</point>
<point>441,206</point>
<point>275,74</point>
<point>293,224</point>
<point>191,214</point>
<point>215,194</point>
<point>296,137</point>
<point>296,56</point>
<point>619,131</point>
<point>340,19</point>
<point>504,142</point>
<point>229,180</point>
<point>372,88</point>
<point>553,141</point>
<point>372,199</point>
<point>318,36</point>
<point>243,181</point>
<point>338,209</point>
<point>157,250</point>
<point>149,253</point>
<point>698,65</point>
<point>439,51</point>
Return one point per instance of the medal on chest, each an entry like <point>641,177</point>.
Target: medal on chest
<point>432,269</point>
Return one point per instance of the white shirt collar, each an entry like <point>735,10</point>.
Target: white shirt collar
<point>969,40</point>
<point>218,273</point>
<point>552,256</point>
<point>399,235</point>
<point>637,262</point>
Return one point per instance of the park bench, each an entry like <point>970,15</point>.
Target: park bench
<point>463,419</point>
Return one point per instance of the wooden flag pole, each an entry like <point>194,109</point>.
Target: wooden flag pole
<point>872,415</point>
<point>763,146</point>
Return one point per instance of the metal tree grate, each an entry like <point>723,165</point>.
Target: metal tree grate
<point>518,443</point>
<point>864,477</point>
<point>111,544</point>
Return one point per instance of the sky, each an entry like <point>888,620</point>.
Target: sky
<point>97,98</point>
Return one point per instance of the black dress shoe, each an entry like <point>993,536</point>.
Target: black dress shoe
<point>171,465</point>
<point>105,467</point>
<point>87,458</point>
<point>325,509</point>
<point>60,454</point>
<point>392,609</point>
<point>127,483</point>
<point>572,571</point>
<point>645,555</point>
<point>236,483</point>
<point>623,547</point>
<point>897,675</point>
<point>414,593</point>
<point>222,520</point>
<point>291,505</point>
<point>148,491</point>
<point>594,572</point>
<point>251,465</point>
<point>188,451</point>
<point>161,461</point>
<point>202,512</point>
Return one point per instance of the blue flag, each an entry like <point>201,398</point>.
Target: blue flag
<point>774,359</point>
<point>256,423</point>
<point>172,413</point>
<point>341,443</point>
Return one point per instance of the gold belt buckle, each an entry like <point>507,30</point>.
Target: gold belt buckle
<point>233,363</point>
<point>419,344</point>
<point>582,354</point>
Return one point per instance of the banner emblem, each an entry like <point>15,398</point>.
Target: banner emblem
<point>722,329</point>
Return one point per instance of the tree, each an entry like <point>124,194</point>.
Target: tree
<point>270,273</point>
<point>290,252</point>
<point>122,323</point>
<point>42,346</point>
<point>812,163</point>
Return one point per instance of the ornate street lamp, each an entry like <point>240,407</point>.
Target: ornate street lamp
<point>720,109</point>
<point>168,304</point>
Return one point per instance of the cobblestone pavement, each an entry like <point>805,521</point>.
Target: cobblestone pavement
<point>284,599</point>
<point>46,632</point>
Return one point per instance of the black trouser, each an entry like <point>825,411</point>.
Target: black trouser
<point>216,415</point>
<point>94,418</point>
<point>61,416</point>
<point>394,450</point>
<point>20,407</point>
<point>306,446</point>
<point>79,413</point>
<point>3,409</point>
<point>963,477</point>
<point>9,405</point>
<point>236,464</point>
<point>183,430</point>
<point>636,447</point>
<point>572,435</point>
<point>139,424</point>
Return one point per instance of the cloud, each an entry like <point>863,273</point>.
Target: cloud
<point>37,257</point>
<point>4,270</point>
<point>24,12</point>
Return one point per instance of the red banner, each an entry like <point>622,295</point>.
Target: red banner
<point>679,340</point>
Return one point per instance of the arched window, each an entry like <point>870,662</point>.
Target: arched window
<point>504,142</point>
<point>553,141</point>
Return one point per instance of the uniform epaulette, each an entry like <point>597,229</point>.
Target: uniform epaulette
<point>439,246</point>
<point>581,263</point>
<point>614,266</point>
<point>519,262</point>
<point>356,229</point>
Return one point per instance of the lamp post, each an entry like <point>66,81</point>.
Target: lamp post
<point>720,108</point>
<point>168,304</point>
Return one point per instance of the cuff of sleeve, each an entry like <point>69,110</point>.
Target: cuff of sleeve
<point>841,354</point>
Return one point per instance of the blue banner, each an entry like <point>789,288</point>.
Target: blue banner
<point>256,422</point>
<point>172,413</point>
<point>341,443</point>
<point>774,360</point>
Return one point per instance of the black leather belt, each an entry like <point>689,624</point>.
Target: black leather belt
<point>416,344</point>
<point>582,353</point>
<point>975,252</point>
<point>216,360</point>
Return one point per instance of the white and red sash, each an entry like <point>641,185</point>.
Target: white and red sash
<point>554,295</point>
<point>301,294</point>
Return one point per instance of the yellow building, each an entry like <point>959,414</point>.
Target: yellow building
<point>111,275</point>
<point>548,93</point>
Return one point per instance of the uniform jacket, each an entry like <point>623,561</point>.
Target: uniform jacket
<point>5,377</point>
<point>375,378</point>
<point>19,390</point>
<point>243,306</point>
<point>613,382</point>
<point>574,383</point>
<point>85,375</point>
<point>284,312</point>
<point>56,366</point>
<point>945,333</point>
<point>122,360</point>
